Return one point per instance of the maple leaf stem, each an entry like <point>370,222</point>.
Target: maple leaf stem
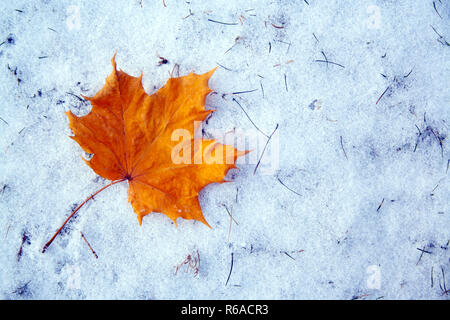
<point>74,211</point>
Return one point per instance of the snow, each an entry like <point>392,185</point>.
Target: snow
<point>349,190</point>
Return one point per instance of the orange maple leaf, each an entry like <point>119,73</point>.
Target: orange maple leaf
<point>135,137</point>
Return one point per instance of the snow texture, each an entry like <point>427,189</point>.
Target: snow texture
<point>356,206</point>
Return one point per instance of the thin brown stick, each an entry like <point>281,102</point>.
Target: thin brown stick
<point>176,66</point>
<point>231,220</point>
<point>25,239</point>
<point>7,231</point>
<point>421,254</point>
<point>382,95</point>
<point>231,216</point>
<point>85,240</point>
<point>277,27</point>
<point>73,212</point>
<point>192,261</point>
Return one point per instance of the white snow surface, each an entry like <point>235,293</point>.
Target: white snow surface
<point>357,207</point>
